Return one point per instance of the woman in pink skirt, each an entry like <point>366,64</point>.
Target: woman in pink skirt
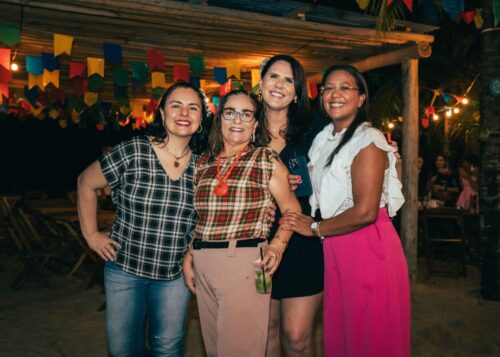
<point>356,189</point>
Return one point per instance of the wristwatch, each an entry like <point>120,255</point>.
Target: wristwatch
<point>315,230</point>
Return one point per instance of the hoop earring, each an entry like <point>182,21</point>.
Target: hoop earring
<point>200,129</point>
<point>259,97</point>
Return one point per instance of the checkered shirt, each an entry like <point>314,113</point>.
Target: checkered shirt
<point>241,212</point>
<point>155,215</point>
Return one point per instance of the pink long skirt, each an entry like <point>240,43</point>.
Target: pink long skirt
<point>367,293</point>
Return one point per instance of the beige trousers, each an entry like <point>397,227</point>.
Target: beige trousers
<point>234,317</point>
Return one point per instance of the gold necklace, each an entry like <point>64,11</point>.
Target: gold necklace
<point>177,158</point>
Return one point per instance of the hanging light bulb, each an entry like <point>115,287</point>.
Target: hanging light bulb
<point>465,100</point>
<point>14,67</point>
<point>456,110</point>
<point>390,125</point>
<point>435,117</point>
<point>449,113</point>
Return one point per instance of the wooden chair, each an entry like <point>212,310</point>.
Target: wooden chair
<point>444,227</point>
<point>35,195</point>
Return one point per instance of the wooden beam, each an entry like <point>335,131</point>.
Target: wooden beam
<point>409,212</point>
<point>420,50</point>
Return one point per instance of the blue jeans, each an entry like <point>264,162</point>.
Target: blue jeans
<point>130,300</point>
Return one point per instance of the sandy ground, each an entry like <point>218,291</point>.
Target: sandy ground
<point>448,318</point>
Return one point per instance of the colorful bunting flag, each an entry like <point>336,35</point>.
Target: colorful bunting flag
<point>50,77</point>
<point>216,101</point>
<point>453,8</point>
<point>136,108</point>
<point>79,86</point>
<point>181,72</point>
<point>225,88</point>
<point>194,81</point>
<point>54,114</point>
<point>363,4</point>
<point>158,80</point>
<point>5,75</point>
<point>5,57</point>
<point>10,35</point>
<point>95,66</point>
<point>156,60</point>
<point>95,82</point>
<point>34,65</point>
<point>120,76</point>
<point>478,19</point>
<point>138,86</point>
<point>220,75</point>
<point>4,90</point>
<point>62,44</point>
<point>196,64</point>
<point>112,52</point>
<point>313,90</point>
<point>496,12</point>
<point>35,81</point>
<point>50,62</point>
<point>233,69</point>
<point>156,93</point>
<point>119,91</point>
<point>140,71</point>
<point>90,98</point>
<point>77,69</point>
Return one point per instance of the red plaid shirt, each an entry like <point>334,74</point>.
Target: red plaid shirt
<point>241,212</point>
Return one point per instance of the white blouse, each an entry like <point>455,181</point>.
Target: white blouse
<point>332,186</point>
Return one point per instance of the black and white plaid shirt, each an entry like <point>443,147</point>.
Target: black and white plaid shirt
<point>155,215</point>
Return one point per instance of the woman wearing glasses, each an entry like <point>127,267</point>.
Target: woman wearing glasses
<point>298,282</point>
<point>235,183</point>
<point>366,298</point>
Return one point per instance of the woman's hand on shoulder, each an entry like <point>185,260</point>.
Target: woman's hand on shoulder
<point>103,245</point>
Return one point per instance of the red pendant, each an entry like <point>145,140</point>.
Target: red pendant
<point>221,189</point>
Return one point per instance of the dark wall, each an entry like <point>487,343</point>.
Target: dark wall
<point>40,155</point>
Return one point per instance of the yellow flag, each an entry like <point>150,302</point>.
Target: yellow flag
<point>51,77</point>
<point>95,66</point>
<point>62,44</point>
<point>137,108</point>
<point>35,81</point>
<point>54,114</point>
<point>124,110</point>
<point>478,19</point>
<point>63,123</point>
<point>158,80</point>
<point>75,116</point>
<point>309,94</point>
<point>203,84</point>
<point>90,98</point>
<point>36,112</point>
<point>363,3</point>
<point>233,69</point>
<point>255,77</point>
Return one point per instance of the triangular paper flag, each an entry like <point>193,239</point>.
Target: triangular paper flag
<point>5,75</point>
<point>363,3</point>
<point>203,83</point>
<point>140,71</point>
<point>95,66</point>
<point>50,63</point>
<point>35,81</point>
<point>90,98</point>
<point>409,4</point>
<point>181,72</point>
<point>79,86</point>
<point>196,64</point>
<point>75,116</point>
<point>5,57</point>
<point>313,90</point>
<point>255,77</point>
<point>119,91</point>
<point>216,101</point>
<point>120,76</point>
<point>112,52</point>
<point>63,123</point>
<point>453,8</point>
<point>158,80</point>
<point>54,114</point>
<point>4,90</point>
<point>9,35</point>
<point>76,69</point>
<point>478,19</point>
<point>156,60</point>
<point>138,86</point>
<point>137,108</point>
<point>31,94</point>
<point>233,69</point>
<point>95,82</point>
<point>220,75</point>
<point>194,81</point>
<point>50,77</point>
<point>156,93</point>
<point>225,88</point>
<point>34,65</point>
<point>62,44</point>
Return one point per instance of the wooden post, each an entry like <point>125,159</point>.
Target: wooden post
<point>409,213</point>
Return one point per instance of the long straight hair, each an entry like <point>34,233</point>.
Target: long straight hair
<point>361,115</point>
<point>297,124</point>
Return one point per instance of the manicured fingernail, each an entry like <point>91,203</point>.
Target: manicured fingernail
<point>299,180</point>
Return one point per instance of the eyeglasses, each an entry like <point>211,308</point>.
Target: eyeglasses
<point>342,89</point>
<point>231,114</point>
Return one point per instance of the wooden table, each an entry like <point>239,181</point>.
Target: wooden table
<point>50,206</point>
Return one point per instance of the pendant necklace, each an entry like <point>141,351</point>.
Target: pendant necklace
<point>177,158</point>
<point>222,187</point>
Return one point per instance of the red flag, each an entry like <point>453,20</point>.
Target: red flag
<point>313,88</point>
<point>4,90</point>
<point>181,72</point>
<point>77,69</point>
<point>5,57</point>
<point>425,122</point>
<point>79,86</point>
<point>225,88</point>
<point>409,4</point>
<point>156,60</point>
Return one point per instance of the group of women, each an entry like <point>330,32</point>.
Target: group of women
<point>197,223</point>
